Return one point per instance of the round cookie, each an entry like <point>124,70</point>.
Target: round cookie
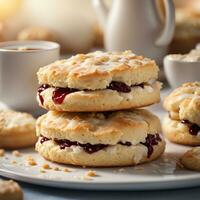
<point>191,159</point>
<point>17,130</point>
<point>184,103</point>
<point>179,132</point>
<point>10,190</point>
<point>99,81</point>
<point>100,139</point>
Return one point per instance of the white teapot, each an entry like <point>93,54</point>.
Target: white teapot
<point>137,25</point>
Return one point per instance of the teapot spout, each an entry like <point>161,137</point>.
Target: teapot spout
<point>102,11</point>
<point>168,30</point>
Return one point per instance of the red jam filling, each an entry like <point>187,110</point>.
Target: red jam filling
<point>151,140</point>
<point>59,93</point>
<point>40,90</point>
<point>193,128</point>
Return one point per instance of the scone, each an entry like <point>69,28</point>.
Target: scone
<point>10,190</point>
<point>119,138</point>
<point>36,33</point>
<point>182,125</point>
<point>17,130</point>
<point>191,159</point>
<point>99,81</point>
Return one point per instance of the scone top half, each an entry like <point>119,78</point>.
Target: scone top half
<point>97,131</point>
<point>95,78</point>
<point>183,103</point>
<point>97,70</point>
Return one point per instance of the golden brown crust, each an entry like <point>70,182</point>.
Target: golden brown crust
<point>96,70</point>
<point>184,103</point>
<point>95,128</point>
<point>17,130</point>
<point>177,132</point>
<point>117,155</point>
<point>103,100</point>
<point>10,190</point>
<point>191,159</point>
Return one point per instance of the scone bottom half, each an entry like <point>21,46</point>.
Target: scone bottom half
<point>128,149</point>
<point>99,81</point>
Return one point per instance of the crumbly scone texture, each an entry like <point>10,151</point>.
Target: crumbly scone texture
<point>103,100</point>
<point>17,129</point>
<point>10,190</point>
<point>96,70</point>
<point>191,159</point>
<point>94,128</point>
<point>177,132</point>
<point>184,103</point>
<point>117,155</point>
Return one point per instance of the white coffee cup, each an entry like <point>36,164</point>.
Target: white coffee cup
<point>19,62</point>
<point>178,71</point>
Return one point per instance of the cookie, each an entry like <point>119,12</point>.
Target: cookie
<point>17,130</point>
<point>191,159</point>
<point>184,103</point>
<point>181,132</point>
<point>10,190</point>
<point>100,139</point>
<point>99,81</point>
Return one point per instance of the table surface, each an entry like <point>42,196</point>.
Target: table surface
<point>47,193</point>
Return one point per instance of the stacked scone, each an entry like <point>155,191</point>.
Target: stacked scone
<point>92,119</point>
<point>182,124</point>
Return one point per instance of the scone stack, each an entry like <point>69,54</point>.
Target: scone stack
<point>93,120</point>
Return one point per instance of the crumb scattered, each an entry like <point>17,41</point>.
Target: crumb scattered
<point>121,170</point>
<point>66,170</point>
<point>31,161</point>
<point>42,171</point>
<point>2,152</point>
<point>56,169</point>
<point>91,173</point>
<point>46,166</point>
<point>16,153</point>
<point>14,162</point>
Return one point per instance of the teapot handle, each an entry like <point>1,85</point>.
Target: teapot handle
<point>101,10</point>
<point>168,30</point>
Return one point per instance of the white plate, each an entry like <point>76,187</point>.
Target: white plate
<point>160,174</point>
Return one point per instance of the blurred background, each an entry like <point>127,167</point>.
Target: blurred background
<point>73,23</point>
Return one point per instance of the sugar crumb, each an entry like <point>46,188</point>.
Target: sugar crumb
<point>66,170</point>
<point>91,173</point>
<point>56,169</point>
<point>46,166</point>
<point>16,153</point>
<point>14,162</point>
<point>31,161</point>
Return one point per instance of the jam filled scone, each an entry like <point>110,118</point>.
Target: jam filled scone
<point>182,125</point>
<point>118,138</point>
<point>191,159</point>
<point>10,190</point>
<point>99,81</point>
<point>17,130</point>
